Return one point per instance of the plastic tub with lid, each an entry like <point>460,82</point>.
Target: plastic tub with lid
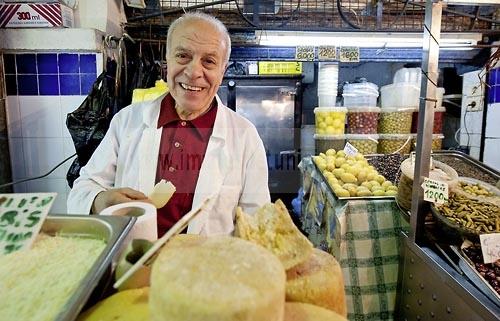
<point>408,75</point>
<point>330,120</point>
<point>399,95</point>
<point>325,142</point>
<point>394,143</point>
<point>363,94</point>
<point>365,144</point>
<point>438,171</point>
<point>438,120</point>
<point>362,120</point>
<point>395,120</point>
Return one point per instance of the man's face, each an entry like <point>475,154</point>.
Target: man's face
<point>195,65</point>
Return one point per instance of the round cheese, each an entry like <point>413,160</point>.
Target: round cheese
<point>218,278</point>
<point>295,311</point>
<point>317,281</point>
<point>129,305</point>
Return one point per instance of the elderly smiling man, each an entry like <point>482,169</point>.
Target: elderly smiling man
<point>186,136</point>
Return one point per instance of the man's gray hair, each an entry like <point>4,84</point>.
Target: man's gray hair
<point>197,16</point>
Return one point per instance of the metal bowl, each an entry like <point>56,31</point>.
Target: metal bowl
<point>453,232</point>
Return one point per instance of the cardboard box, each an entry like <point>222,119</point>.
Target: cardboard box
<point>35,15</point>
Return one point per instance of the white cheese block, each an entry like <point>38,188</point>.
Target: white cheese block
<point>162,192</point>
<point>295,311</point>
<point>273,228</point>
<point>219,278</point>
<point>318,281</point>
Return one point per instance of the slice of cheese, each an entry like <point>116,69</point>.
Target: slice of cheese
<point>318,281</point>
<point>217,278</point>
<point>273,228</point>
<point>295,311</point>
<point>162,192</point>
<point>129,305</point>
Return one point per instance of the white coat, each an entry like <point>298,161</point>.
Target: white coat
<point>234,170</point>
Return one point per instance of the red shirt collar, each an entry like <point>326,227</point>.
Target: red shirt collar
<point>168,114</point>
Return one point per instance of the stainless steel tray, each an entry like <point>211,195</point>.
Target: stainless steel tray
<point>111,229</point>
<point>467,267</point>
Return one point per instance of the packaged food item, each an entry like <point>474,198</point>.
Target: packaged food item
<point>438,120</point>
<point>365,144</point>
<point>330,120</point>
<point>395,120</point>
<point>392,143</point>
<point>362,120</point>
<point>438,171</point>
<point>325,142</point>
<point>437,141</point>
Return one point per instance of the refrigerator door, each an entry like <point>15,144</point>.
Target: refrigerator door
<point>272,109</point>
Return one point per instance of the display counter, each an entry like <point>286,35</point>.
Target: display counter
<point>364,236</point>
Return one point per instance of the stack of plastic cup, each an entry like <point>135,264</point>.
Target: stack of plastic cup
<point>328,77</point>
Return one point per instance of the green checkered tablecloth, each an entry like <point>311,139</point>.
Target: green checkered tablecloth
<point>364,237</point>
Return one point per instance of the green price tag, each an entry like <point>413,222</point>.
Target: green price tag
<point>435,191</point>
<point>327,53</point>
<point>304,53</point>
<point>349,54</point>
<point>21,218</point>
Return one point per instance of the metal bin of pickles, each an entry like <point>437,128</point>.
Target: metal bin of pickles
<point>330,120</point>
<point>365,144</point>
<point>395,120</point>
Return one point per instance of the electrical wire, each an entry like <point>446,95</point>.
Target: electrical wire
<point>465,125</point>
<point>242,15</point>
<point>344,18</point>
<point>38,177</point>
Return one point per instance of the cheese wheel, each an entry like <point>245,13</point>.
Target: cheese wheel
<point>128,305</point>
<point>273,228</point>
<point>219,278</point>
<point>162,192</point>
<point>317,281</point>
<point>295,311</point>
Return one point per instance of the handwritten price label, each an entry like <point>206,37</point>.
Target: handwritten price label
<point>304,53</point>
<point>21,217</point>
<point>349,54</point>
<point>350,150</point>
<point>490,246</point>
<point>435,191</point>
<point>327,53</point>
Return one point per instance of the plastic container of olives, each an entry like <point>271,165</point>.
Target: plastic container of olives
<point>392,143</point>
<point>362,120</point>
<point>325,142</point>
<point>330,120</point>
<point>395,120</point>
<point>365,144</point>
<point>438,120</point>
<point>437,142</point>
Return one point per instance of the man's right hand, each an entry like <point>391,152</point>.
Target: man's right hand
<point>116,196</point>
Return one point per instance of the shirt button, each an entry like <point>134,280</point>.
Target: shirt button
<point>183,123</point>
<point>171,169</point>
<point>176,144</point>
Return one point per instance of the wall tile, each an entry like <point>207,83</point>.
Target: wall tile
<point>49,85</point>
<point>40,116</point>
<point>68,105</point>
<point>69,84</point>
<point>26,63</point>
<point>11,85</point>
<point>496,89</point>
<point>27,85</point>
<point>492,77</point>
<point>47,63</point>
<point>491,147</point>
<point>86,82</point>
<point>13,117</point>
<point>88,63</point>
<point>474,152</point>
<point>51,185</point>
<point>493,121</point>
<point>68,150</point>
<point>17,163</point>
<point>9,61</point>
<point>68,63</point>
<point>43,154</point>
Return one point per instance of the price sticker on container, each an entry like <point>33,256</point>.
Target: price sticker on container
<point>304,53</point>
<point>349,54</point>
<point>350,150</point>
<point>21,218</point>
<point>490,246</point>
<point>435,191</point>
<point>327,53</point>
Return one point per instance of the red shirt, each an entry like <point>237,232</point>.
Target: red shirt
<point>182,150</point>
